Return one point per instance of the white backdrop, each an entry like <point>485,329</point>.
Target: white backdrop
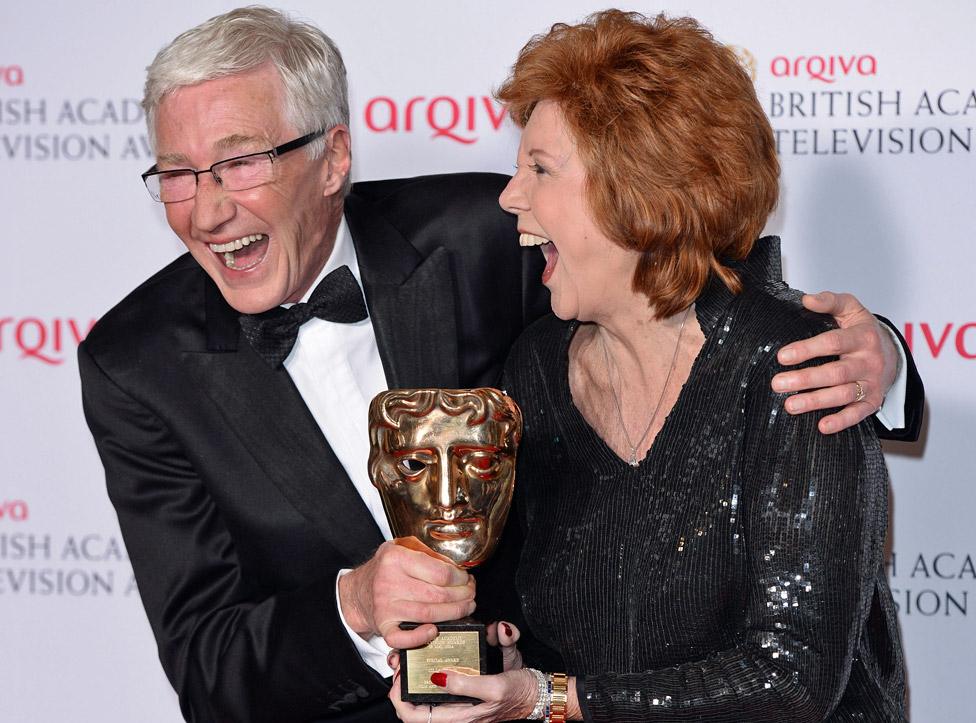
<point>877,200</point>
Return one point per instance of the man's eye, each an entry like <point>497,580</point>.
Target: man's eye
<point>174,178</point>
<point>242,162</point>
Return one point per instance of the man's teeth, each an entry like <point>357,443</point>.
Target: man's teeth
<point>236,244</point>
<point>529,239</point>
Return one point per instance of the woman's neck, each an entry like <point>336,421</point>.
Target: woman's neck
<point>634,337</point>
<point>626,371</point>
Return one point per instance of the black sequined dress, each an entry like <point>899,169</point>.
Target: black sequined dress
<point>736,574</point>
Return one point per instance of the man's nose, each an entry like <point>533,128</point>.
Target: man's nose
<point>512,198</point>
<point>212,207</point>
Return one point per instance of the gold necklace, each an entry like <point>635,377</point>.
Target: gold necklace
<point>657,407</point>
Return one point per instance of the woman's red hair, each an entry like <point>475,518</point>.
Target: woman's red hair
<point>681,161</point>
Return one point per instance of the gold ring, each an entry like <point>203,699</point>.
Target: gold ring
<point>859,395</point>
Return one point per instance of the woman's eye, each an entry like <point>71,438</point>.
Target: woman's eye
<point>533,167</point>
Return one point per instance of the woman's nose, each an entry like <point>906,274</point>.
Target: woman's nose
<point>512,198</point>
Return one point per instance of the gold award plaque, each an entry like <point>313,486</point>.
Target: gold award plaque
<point>452,649</point>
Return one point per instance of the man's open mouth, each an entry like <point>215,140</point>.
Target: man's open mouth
<point>243,253</point>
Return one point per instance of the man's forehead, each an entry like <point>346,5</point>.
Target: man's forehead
<point>225,116</point>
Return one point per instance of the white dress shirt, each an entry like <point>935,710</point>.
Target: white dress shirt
<point>892,412</point>
<point>337,370</point>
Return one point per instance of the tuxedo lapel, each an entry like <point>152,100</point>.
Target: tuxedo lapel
<point>265,410</point>
<point>411,301</point>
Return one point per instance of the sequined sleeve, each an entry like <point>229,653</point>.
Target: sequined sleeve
<point>813,516</point>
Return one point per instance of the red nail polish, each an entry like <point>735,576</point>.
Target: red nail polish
<point>439,679</point>
<point>508,629</point>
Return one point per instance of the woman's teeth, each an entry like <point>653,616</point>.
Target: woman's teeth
<point>237,244</point>
<point>528,239</point>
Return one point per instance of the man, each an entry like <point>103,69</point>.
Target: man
<point>236,460</point>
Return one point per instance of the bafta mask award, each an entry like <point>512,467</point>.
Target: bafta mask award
<point>443,461</point>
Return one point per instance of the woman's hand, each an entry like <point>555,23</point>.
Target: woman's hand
<point>505,636</point>
<point>508,696</point>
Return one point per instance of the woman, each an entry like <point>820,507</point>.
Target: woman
<point>691,551</point>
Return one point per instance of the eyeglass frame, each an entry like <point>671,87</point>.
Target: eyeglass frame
<point>272,153</point>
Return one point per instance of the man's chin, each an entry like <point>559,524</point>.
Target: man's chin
<point>250,295</point>
<point>248,301</point>
<point>247,292</point>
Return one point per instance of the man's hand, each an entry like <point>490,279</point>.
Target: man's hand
<point>399,584</point>
<point>867,357</point>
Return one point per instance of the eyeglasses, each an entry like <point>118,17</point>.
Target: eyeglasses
<point>233,174</point>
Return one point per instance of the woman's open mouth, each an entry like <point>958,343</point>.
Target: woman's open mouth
<point>548,248</point>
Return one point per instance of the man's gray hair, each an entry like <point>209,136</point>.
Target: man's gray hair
<point>311,68</point>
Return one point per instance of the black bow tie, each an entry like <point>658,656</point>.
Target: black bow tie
<point>272,333</point>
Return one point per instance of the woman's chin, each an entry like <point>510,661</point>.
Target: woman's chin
<point>564,309</point>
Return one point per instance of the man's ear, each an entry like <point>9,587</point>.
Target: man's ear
<point>338,160</point>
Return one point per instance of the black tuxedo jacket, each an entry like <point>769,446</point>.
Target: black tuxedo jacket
<point>235,511</point>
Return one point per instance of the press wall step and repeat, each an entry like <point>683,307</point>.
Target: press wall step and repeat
<point>874,109</point>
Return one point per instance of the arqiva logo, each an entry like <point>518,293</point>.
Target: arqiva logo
<point>825,68</point>
<point>937,339</point>
<point>456,119</point>
<point>11,75</point>
<point>14,510</point>
<point>43,340</point>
